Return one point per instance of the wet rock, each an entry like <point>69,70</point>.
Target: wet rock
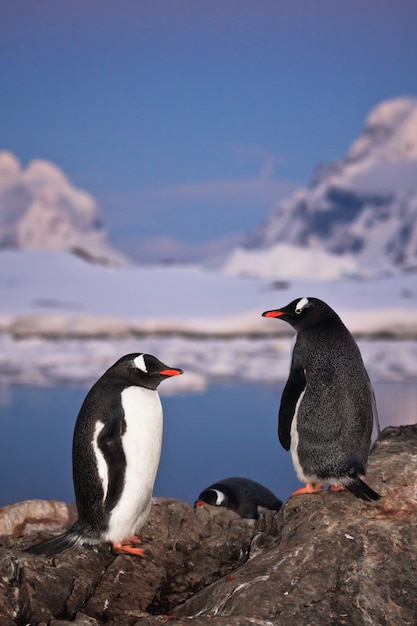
<point>33,516</point>
<point>322,559</point>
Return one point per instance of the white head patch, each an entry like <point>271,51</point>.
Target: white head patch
<point>300,305</point>
<point>140,363</point>
<point>220,496</point>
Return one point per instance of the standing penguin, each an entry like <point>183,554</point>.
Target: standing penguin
<point>115,456</point>
<point>328,405</point>
<point>245,497</point>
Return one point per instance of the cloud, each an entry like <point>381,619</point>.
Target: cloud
<point>243,191</point>
<point>268,161</point>
<point>168,249</point>
<point>202,210</point>
<point>249,194</point>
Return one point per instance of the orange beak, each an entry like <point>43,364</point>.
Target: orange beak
<point>171,372</point>
<point>272,314</point>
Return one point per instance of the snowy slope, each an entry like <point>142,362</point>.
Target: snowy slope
<point>64,321</point>
<point>360,214</point>
<point>188,299</point>
<point>40,209</point>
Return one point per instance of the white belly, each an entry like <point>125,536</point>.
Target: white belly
<point>142,447</point>
<point>294,442</point>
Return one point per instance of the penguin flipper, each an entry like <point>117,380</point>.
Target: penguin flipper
<point>293,390</point>
<point>361,490</point>
<point>110,443</point>
<point>56,544</point>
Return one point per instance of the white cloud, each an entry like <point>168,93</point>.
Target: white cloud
<point>248,193</point>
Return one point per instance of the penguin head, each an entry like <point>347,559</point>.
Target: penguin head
<point>214,497</point>
<point>218,495</point>
<point>303,312</point>
<point>143,370</point>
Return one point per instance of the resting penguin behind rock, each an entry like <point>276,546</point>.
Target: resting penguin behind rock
<point>242,495</point>
<point>115,456</point>
<point>328,405</point>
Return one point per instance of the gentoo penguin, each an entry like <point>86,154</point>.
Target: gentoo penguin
<point>242,495</point>
<point>115,456</point>
<point>328,404</point>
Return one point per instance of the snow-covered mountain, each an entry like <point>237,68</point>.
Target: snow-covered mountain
<point>41,209</point>
<point>359,216</point>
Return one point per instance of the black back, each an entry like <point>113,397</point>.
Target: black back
<point>243,496</point>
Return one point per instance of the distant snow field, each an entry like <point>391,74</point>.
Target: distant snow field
<point>350,238</point>
<point>79,363</point>
<point>64,321</point>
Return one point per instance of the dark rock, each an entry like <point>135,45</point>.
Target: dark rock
<point>188,549</point>
<point>337,560</point>
<point>323,559</point>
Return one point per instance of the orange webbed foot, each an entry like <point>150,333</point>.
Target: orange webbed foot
<point>337,488</point>
<point>129,546</point>
<point>309,488</point>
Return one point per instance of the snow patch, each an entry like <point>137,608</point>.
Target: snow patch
<point>289,262</point>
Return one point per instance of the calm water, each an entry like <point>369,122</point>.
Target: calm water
<point>225,431</point>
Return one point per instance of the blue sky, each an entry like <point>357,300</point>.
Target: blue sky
<point>188,119</point>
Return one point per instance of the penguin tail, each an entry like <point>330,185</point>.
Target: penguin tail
<point>56,544</point>
<point>361,490</point>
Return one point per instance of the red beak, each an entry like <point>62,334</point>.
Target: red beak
<point>272,314</point>
<point>171,372</point>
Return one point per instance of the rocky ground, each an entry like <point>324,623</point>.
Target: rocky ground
<point>323,559</point>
